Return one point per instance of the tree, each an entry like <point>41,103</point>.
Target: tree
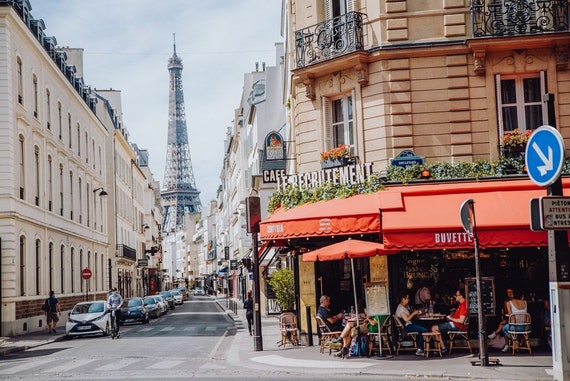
<point>283,284</point>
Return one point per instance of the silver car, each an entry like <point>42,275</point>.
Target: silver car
<point>88,318</point>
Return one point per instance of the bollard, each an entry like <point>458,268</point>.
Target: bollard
<point>309,326</point>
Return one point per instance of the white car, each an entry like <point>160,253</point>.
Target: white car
<point>178,299</point>
<point>199,291</point>
<point>88,318</point>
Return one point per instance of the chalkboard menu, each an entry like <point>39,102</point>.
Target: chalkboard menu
<point>377,298</point>
<point>487,295</point>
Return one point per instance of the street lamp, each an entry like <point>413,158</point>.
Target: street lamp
<point>102,193</point>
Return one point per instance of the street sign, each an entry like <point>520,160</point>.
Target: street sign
<point>466,215</point>
<point>555,212</point>
<point>86,273</point>
<point>544,155</point>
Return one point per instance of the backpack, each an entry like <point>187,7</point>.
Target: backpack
<point>45,306</point>
<point>360,346</point>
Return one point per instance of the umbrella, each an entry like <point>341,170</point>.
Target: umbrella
<point>350,248</point>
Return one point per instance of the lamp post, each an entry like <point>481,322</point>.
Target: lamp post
<point>253,212</point>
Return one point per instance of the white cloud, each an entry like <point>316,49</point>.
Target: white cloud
<point>127,44</point>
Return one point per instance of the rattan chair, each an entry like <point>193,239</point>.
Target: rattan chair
<point>383,334</point>
<point>519,330</point>
<point>404,336</point>
<point>460,335</point>
<point>327,337</point>
<point>288,328</point>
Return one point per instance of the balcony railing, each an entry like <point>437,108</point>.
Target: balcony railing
<point>497,18</point>
<point>329,39</point>
<point>124,251</point>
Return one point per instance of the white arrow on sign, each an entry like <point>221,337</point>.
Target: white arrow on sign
<point>548,165</point>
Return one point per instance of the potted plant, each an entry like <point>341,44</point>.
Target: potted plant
<point>282,282</point>
<point>514,142</point>
<point>336,157</point>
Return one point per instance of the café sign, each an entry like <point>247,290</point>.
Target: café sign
<point>346,175</point>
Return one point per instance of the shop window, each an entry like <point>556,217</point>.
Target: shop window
<point>339,122</point>
<point>520,101</point>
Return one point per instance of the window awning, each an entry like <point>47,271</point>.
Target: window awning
<point>344,216</point>
<point>430,218</point>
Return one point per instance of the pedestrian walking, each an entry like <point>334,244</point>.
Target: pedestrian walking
<point>53,312</point>
<point>248,305</point>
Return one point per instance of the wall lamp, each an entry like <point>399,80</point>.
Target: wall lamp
<point>102,193</point>
<point>145,226</point>
<point>425,174</point>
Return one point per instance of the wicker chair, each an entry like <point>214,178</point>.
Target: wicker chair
<point>384,335</point>
<point>327,336</point>
<point>519,331</point>
<point>288,328</point>
<point>404,336</point>
<point>460,335</point>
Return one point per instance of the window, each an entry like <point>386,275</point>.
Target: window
<point>81,268</point>
<point>78,139</point>
<point>50,183</point>
<point>22,265</point>
<point>35,88</point>
<point>51,266</point>
<point>48,110</point>
<point>71,195</point>
<point>59,122</point>
<point>20,81</point>
<point>80,195</point>
<point>520,101</point>
<point>37,175</point>
<point>61,190</point>
<point>69,128</point>
<point>38,266</point>
<point>335,8</point>
<point>62,268</point>
<point>22,166</point>
<point>339,122</point>
<point>72,268</point>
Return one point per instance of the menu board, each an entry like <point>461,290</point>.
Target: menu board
<point>377,298</point>
<point>487,295</point>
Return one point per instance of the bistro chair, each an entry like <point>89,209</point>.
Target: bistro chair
<point>460,335</point>
<point>327,337</point>
<point>519,331</point>
<point>288,328</point>
<point>404,337</point>
<point>383,335</point>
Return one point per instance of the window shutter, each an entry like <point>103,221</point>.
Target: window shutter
<point>544,90</point>
<point>328,9</point>
<point>327,121</point>
<point>499,104</point>
<point>350,6</point>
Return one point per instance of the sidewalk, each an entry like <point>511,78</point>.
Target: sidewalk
<point>303,360</point>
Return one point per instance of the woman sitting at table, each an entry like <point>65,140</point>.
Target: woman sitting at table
<point>454,321</point>
<point>516,305</point>
<point>403,312</point>
<point>366,324</point>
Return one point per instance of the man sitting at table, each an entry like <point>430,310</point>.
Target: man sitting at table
<point>454,321</point>
<point>334,322</point>
<point>366,324</point>
<point>403,312</point>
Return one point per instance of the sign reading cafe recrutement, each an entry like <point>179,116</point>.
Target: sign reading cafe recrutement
<point>346,175</point>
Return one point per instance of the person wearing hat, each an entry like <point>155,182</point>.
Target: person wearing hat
<point>52,312</point>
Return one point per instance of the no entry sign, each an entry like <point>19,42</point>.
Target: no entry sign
<point>86,273</point>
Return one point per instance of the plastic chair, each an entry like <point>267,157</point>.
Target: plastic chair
<point>404,336</point>
<point>460,335</point>
<point>519,331</point>
<point>288,328</point>
<point>383,335</point>
<point>327,337</point>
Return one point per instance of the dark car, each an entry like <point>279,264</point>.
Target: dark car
<point>154,310</point>
<point>169,298</point>
<point>134,311</point>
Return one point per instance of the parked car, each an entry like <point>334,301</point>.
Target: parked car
<point>184,292</point>
<point>152,306</point>
<point>178,299</point>
<point>199,291</point>
<point>88,318</point>
<point>169,298</point>
<point>162,303</point>
<point>134,311</point>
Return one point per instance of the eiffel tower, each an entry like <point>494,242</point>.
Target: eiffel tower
<point>179,193</point>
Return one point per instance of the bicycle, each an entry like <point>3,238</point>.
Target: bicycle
<point>114,325</point>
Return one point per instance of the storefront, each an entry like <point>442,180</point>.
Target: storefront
<point>423,223</point>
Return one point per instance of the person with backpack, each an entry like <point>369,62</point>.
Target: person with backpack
<point>52,311</point>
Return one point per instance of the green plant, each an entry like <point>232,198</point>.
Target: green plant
<point>283,284</point>
<point>516,138</point>
<point>340,152</point>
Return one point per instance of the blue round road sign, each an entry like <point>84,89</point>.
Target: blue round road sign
<point>544,155</point>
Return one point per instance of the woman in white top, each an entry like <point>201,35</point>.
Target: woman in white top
<point>517,305</point>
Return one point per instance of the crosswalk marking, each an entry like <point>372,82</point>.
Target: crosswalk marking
<point>24,366</point>
<point>166,364</point>
<point>117,364</point>
<point>68,366</point>
<point>167,329</point>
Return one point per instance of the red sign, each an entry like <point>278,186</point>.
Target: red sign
<point>86,273</point>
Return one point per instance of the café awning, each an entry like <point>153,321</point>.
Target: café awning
<point>343,216</point>
<point>430,217</point>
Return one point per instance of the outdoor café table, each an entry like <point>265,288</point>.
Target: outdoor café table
<point>427,320</point>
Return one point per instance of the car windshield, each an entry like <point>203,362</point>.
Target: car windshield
<point>88,308</point>
<point>199,288</point>
<point>175,293</point>
<point>166,294</point>
<point>149,300</point>
<point>134,302</point>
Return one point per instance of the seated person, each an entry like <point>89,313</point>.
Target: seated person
<point>423,297</point>
<point>403,312</point>
<point>334,322</point>
<point>516,305</point>
<point>454,321</point>
<point>510,295</point>
<point>366,324</point>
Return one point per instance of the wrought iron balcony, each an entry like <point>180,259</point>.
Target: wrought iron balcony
<point>124,251</point>
<point>329,39</point>
<point>497,18</point>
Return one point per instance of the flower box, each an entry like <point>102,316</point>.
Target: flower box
<point>334,163</point>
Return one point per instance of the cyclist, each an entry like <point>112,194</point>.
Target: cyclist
<point>115,302</point>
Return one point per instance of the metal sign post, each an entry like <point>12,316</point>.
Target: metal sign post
<point>467,214</point>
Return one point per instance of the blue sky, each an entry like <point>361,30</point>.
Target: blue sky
<point>127,44</point>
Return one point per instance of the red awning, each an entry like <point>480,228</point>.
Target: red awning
<point>430,217</point>
<point>343,216</point>
<point>350,248</point>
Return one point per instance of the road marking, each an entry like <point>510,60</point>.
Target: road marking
<point>167,329</point>
<point>299,363</point>
<point>147,329</point>
<point>166,364</point>
<point>68,366</point>
<point>24,366</point>
<point>117,364</point>
<point>198,313</point>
